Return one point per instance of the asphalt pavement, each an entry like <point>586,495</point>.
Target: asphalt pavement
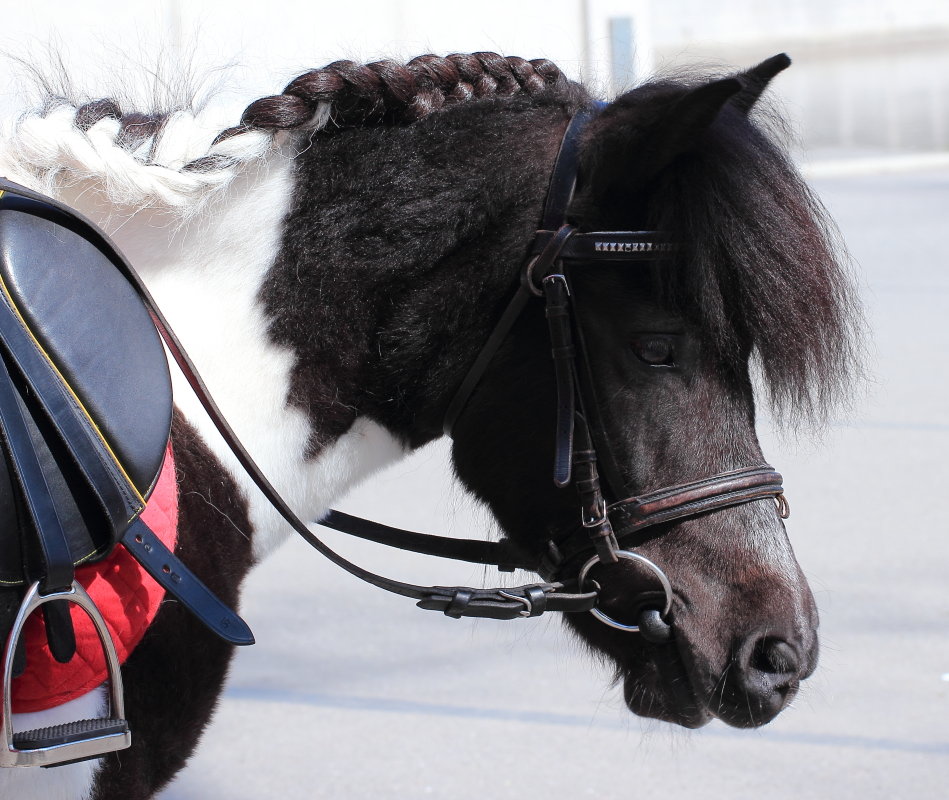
<point>353,693</point>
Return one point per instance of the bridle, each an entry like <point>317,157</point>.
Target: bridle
<point>582,444</point>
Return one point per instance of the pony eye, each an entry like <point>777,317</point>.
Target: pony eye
<point>655,350</point>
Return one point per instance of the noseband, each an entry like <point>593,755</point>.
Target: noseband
<point>606,518</point>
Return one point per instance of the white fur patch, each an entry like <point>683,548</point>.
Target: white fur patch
<point>71,782</point>
<point>50,154</point>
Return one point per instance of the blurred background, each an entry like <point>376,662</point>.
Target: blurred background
<point>353,694</point>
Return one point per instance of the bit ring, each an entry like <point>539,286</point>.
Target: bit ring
<point>627,554</point>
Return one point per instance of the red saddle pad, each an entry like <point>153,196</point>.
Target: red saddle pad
<point>128,599</point>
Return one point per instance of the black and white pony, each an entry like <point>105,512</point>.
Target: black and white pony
<point>334,264</point>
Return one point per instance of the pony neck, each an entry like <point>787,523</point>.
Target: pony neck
<point>209,286</point>
<point>205,265</point>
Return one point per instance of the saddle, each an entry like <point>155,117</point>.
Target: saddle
<point>85,419</point>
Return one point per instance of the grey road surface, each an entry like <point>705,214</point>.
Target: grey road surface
<point>351,693</point>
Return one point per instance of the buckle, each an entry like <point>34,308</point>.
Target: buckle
<point>599,518</point>
<point>74,741</point>
<point>460,601</point>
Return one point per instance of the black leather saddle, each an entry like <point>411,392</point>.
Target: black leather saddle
<point>85,418</point>
<point>90,380</point>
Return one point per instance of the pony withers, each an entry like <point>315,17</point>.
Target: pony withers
<point>85,416</point>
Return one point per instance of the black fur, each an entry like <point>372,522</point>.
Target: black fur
<point>760,268</point>
<point>402,246</point>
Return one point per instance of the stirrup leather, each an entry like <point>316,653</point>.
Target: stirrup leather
<point>74,741</point>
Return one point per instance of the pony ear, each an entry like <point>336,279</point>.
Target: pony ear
<point>630,149</point>
<point>680,129</point>
<point>755,80</point>
<point>695,112</point>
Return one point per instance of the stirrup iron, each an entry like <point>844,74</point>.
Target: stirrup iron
<point>73,741</point>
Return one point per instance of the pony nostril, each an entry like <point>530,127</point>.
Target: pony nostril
<point>774,657</point>
<point>763,678</point>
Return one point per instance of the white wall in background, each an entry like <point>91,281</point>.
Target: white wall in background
<point>678,23</point>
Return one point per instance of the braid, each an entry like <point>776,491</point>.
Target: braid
<point>134,127</point>
<point>390,93</point>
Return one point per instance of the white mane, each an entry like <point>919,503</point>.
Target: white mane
<point>176,169</point>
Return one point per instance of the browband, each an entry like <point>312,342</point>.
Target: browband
<point>607,245</point>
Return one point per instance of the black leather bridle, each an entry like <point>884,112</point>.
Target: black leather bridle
<point>582,444</point>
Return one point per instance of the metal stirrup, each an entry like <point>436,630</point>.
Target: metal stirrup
<point>74,741</point>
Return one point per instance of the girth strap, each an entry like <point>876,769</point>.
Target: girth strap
<point>182,584</point>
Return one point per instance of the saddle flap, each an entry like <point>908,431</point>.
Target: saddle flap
<point>90,369</point>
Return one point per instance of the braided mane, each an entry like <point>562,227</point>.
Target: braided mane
<point>391,93</point>
<point>177,159</point>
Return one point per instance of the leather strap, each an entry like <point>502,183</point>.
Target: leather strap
<point>537,269</point>
<point>11,597</point>
<point>182,584</point>
<point>56,569</point>
<point>504,555</point>
<point>521,601</point>
<point>113,491</point>
<point>563,179</point>
<point>43,526</point>
<point>484,358</point>
<point>635,514</point>
<point>561,343</point>
<point>697,497</point>
<point>599,441</point>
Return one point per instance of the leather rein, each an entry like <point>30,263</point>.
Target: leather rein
<point>581,441</point>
